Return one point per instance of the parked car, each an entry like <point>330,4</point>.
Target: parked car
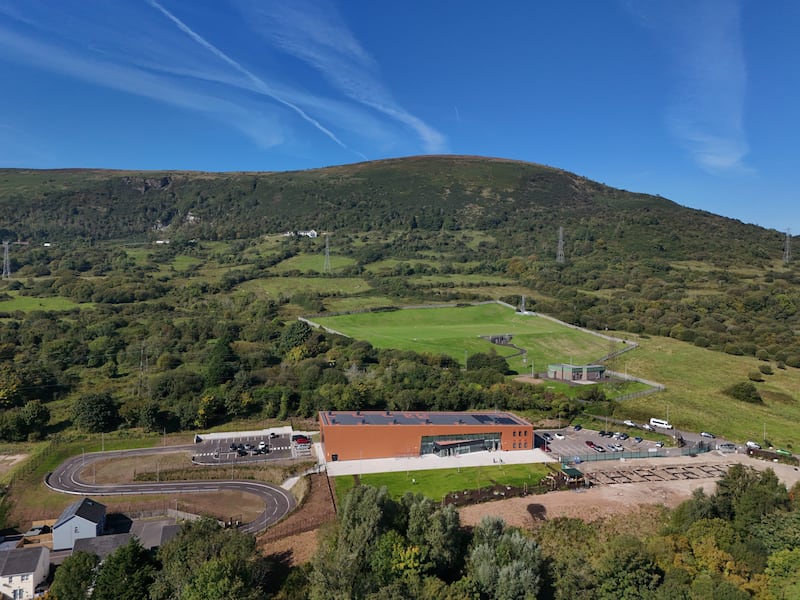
<point>560,436</point>
<point>623,436</point>
<point>577,427</point>
<point>233,447</point>
<point>590,443</point>
<point>602,433</point>
<point>637,439</point>
<point>629,423</point>
<point>648,427</point>
<point>727,447</point>
<point>262,444</point>
<point>546,436</point>
<point>659,444</point>
<point>707,434</point>
<point>241,452</point>
<point>598,448</point>
<point>753,445</point>
<point>272,435</point>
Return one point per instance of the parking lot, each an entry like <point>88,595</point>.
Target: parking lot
<point>566,443</point>
<point>251,448</point>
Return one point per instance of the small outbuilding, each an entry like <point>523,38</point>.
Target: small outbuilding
<point>567,372</point>
<point>82,519</point>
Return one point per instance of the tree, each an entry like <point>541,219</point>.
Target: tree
<point>626,571</point>
<point>505,566</point>
<point>74,577</point>
<point>745,391</point>
<point>184,569</point>
<point>35,416</point>
<point>95,412</point>
<point>125,574</point>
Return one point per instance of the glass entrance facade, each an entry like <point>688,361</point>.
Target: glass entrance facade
<point>450,445</point>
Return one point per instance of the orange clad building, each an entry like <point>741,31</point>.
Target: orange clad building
<point>386,434</point>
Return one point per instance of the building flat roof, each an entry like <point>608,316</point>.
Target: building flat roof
<point>392,417</point>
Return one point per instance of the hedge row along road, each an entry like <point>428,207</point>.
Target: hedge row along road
<point>66,479</point>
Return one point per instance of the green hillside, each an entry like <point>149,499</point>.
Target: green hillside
<point>176,293</point>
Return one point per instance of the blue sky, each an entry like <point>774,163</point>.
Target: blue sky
<point>695,100</point>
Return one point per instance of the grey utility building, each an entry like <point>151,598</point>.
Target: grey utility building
<point>82,519</point>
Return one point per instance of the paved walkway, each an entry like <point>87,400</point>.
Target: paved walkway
<point>431,461</point>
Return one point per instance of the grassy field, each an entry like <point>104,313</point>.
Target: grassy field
<point>437,483</point>
<point>694,399</point>
<point>286,286</point>
<point>30,303</point>
<point>456,330</point>
<point>312,262</point>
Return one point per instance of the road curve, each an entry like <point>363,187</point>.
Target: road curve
<point>66,479</point>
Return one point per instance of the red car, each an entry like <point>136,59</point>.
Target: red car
<point>590,443</point>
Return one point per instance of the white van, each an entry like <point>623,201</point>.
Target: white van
<point>660,423</point>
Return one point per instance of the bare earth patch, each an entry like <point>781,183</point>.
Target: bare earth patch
<point>297,533</point>
<point>124,470</point>
<point>605,500</point>
<point>7,461</point>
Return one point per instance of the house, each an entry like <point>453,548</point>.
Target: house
<point>22,570</point>
<point>309,233</point>
<point>82,519</point>
<point>103,545</point>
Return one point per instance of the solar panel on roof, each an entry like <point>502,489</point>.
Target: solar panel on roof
<point>505,421</point>
<point>483,418</point>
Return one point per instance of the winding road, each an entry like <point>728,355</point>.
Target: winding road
<point>66,479</point>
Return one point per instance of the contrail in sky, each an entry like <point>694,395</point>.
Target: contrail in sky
<point>259,83</point>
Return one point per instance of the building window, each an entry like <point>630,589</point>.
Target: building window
<point>515,434</point>
<point>526,433</point>
<point>526,444</point>
<point>515,445</point>
<point>24,577</point>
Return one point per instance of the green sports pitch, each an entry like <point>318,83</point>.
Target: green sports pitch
<point>460,331</point>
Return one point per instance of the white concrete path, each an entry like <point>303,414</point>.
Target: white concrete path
<point>431,461</point>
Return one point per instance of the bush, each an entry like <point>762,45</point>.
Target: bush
<point>755,376</point>
<point>793,361</point>
<point>745,391</point>
<point>765,369</point>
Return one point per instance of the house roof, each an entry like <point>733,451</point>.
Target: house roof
<point>85,508</point>
<point>102,545</point>
<point>20,561</point>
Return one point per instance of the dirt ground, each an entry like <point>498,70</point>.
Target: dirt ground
<point>295,538</point>
<point>123,470</point>
<point>9,460</point>
<point>605,500</point>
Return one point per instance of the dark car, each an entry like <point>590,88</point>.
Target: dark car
<point>602,433</point>
<point>241,452</point>
<point>233,447</point>
<point>547,437</point>
<point>577,428</point>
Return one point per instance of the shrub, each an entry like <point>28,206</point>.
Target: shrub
<point>793,361</point>
<point>755,376</point>
<point>745,391</point>
<point>765,369</point>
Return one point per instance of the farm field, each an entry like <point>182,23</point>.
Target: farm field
<point>456,330</point>
<point>437,483</point>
